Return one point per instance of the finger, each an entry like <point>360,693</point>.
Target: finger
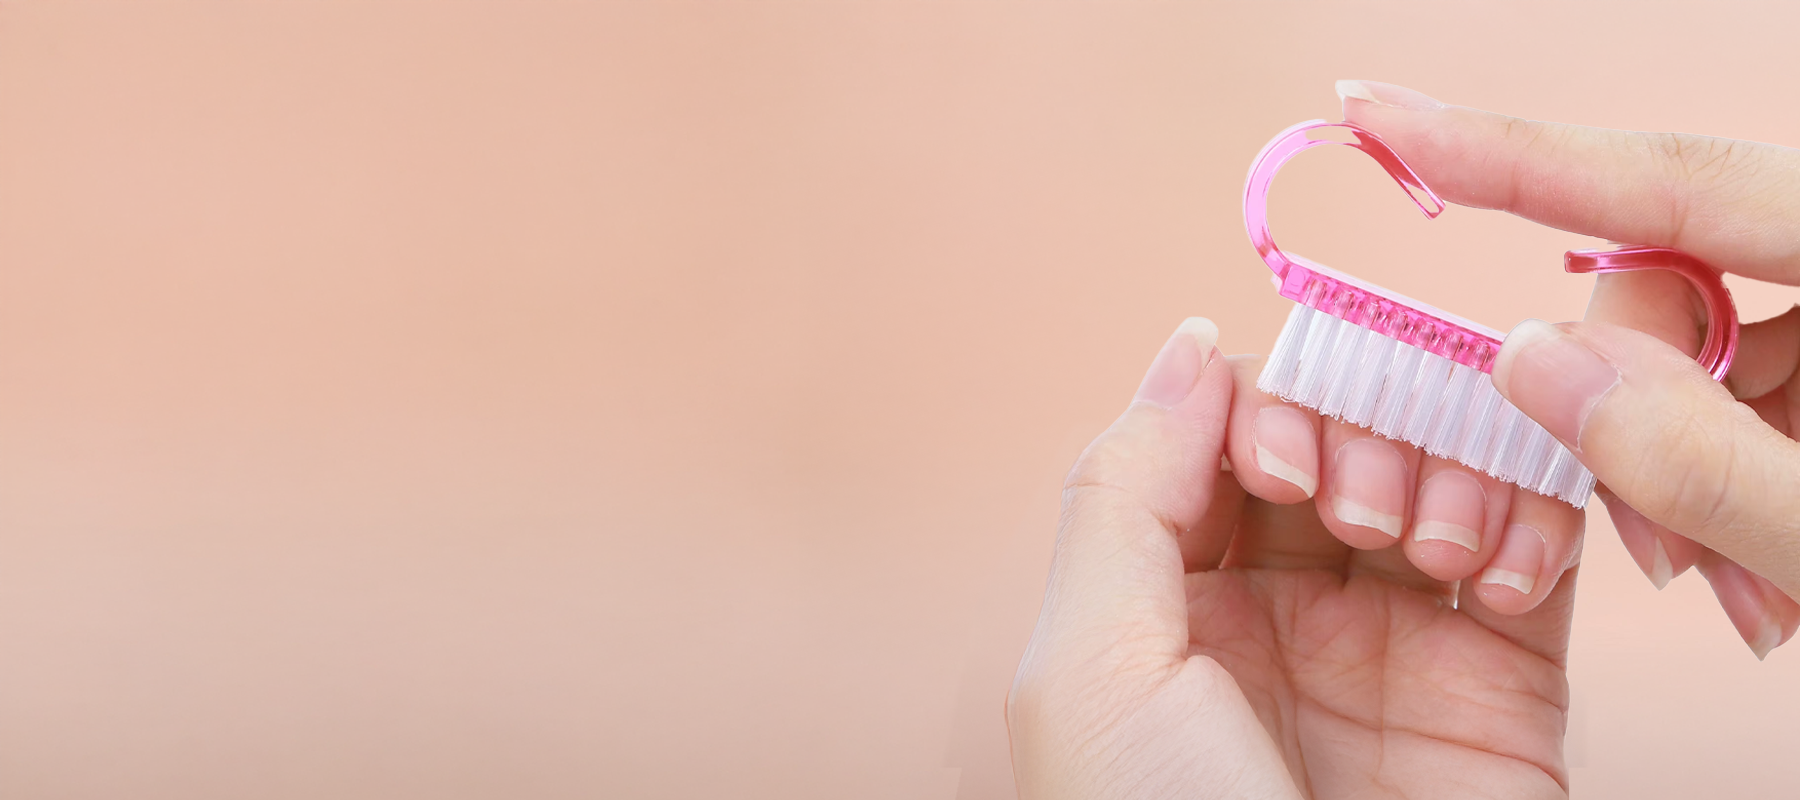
<point>1732,204</point>
<point>1274,446</point>
<point>1542,540</point>
<point>1367,489</point>
<point>1776,409</point>
<point>1272,536</point>
<point>1658,302</point>
<point>1543,630</point>
<point>1204,544</point>
<point>1614,396</point>
<point>1115,590</point>
<point>1390,564</point>
<point>1664,305</point>
<point>1458,517</point>
<point>1762,614</point>
<point>1662,554</point>
<point>1767,357</point>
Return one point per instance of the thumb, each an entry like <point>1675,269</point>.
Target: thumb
<point>1117,576</point>
<point>1663,436</point>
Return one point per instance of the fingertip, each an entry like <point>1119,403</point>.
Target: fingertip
<point>1539,545</point>
<point>1745,605</point>
<point>1285,446</point>
<point>1367,483</point>
<point>1455,523</point>
<point>1273,446</point>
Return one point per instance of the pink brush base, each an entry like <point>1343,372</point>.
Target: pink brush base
<point>1390,315</point>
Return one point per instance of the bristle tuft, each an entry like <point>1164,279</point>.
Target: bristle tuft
<point>1349,372</point>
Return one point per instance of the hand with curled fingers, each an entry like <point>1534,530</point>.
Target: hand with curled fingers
<point>1692,472</point>
<point>1205,638</point>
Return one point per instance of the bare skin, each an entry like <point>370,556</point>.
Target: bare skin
<point>1197,641</point>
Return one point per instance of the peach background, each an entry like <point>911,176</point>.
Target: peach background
<point>646,400</point>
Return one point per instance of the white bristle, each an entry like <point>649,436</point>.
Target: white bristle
<point>1342,370</point>
<point>1478,431</point>
<point>1452,411</point>
<point>1399,391</point>
<point>1284,358</point>
<point>1508,430</point>
<point>1427,390</point>
<point>1378,354</point>
<point>1390,410</point>
<point>1315,357</point>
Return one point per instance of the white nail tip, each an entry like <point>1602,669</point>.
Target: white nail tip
<point>1446,532</point>
<point>1357,514</point>
<point>1661,571</point>
<point>1205,333</point>
<point>1355,89</point>
<point>1767,637</point>
<point>1274,467</point>
<point>1504,577</point>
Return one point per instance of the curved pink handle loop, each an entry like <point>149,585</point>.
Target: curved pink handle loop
<point>1290,143</point>
<point>1721,313</point>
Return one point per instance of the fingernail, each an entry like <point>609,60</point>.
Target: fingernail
<point>1768,637</point>
<point>1178,366</point>
<point>1518,560</point>
<point>1386,94</point>
<point>1552,377</point>
<point>1452,507</point>
<point>1741,594</point>
<point>1661,571</point>
<point>1370,485</point>
<point>1639,537</point>
<point>1287,447</point>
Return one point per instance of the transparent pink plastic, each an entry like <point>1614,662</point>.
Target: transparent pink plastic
<point>1412,322</point>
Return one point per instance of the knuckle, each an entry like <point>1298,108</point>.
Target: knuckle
<point>1708,166</point>
<point>1692,488</point>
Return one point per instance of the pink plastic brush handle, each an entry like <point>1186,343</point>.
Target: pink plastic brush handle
<point>1721,313</point>
<point>1292,142</point>
<point>1417,324</point>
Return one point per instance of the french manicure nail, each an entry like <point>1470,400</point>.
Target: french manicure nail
<point>1370,485</point>
<point>1518,560</point>
<point>1661,571</point>
<point>1747,603</point>
<point>1552,377</point>
<point>1768,636</point>
<point>1386,94</point>
<point>1641,541</point>
<point>1287,447</point>
<point>1451,508</point>
<point>1178,366</point>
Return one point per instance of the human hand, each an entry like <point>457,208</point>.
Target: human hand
<point>1197,641</point>
<point>1681,459</point>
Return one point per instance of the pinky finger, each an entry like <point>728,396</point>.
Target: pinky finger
<point>1764,616</point>
<point>1662,554</point>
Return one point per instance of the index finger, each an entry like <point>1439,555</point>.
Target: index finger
<point>1732,204</point>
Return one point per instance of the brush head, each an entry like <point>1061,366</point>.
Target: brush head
<point>1432,400</point>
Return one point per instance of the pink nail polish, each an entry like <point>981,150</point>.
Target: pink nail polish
<point>1553,378</point>
<point>1178,366</point>
<point>1518,561</point>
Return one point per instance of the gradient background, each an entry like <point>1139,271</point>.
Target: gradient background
<point>655,400</point>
